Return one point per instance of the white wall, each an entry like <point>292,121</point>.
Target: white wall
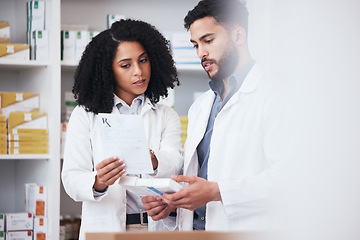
<point>314,46</point>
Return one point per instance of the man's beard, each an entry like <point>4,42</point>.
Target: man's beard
<point>227,63</point>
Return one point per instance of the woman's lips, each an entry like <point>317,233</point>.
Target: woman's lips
<point>139,82</point>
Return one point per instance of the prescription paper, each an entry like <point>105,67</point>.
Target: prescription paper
<point>124,136</point>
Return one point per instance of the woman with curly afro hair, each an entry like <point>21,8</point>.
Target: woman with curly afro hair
<point>123,70</point>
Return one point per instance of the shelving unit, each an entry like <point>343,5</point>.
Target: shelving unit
<point>52,78</point>
<point>42,77</point>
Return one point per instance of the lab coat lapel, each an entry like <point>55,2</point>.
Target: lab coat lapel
<point>200,123</point>
<point>250,83</point>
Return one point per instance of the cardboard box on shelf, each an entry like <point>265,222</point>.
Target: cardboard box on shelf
<point>3,129</point>
<point>39,45</point>
<point>4,32</point>
<point>81,41</point>
<point>68,45</point>
<point>40,228</point>
<point>35,12</point>
<point>149,186</point>
<point>15,51</point>
<point>2,222</point>
<point>18,101</point>
<point>18,221</point>
<point>42,131</point>
<point>36,199</point>
<point>27,144</point>
<point>3,137</point>
<point>111,18</point>
<point>32,150</point>
<point>33,119</point>
<point>19,235</point>
<point>25,137</point>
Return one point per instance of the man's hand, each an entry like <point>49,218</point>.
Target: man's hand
<point>198,193</point>
<point>156,208</point>
<point>108,171</point>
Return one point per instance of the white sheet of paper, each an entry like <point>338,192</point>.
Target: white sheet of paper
<point>124,136</point>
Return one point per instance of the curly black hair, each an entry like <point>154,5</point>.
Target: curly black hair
<point>94,78</point>
<point>224,11</point>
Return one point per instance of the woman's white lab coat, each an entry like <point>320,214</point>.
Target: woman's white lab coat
<point>83,150</point>
<point>246,153</point>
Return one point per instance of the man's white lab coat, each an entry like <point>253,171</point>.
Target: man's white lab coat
<point>247,151</point>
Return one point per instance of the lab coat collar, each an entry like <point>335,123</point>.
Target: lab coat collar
<point>252,79</point>
<point>249,85</point>
<point>148,105</point>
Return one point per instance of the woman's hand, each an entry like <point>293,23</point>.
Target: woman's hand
<point>108,171</point>
<point>156,208</point>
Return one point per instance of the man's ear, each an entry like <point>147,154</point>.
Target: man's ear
<point>239,35</point>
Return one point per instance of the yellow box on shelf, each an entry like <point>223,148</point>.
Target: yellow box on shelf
<point>27,137</point>
<point>28,131</point>
<point>27,144</point>
<point>2,117</point>
<point>33,119</point>
<point>3,137</point>
<point>29,150</point>
<point>15,51</point>
<point>4,32</point>
<point>19,100</point>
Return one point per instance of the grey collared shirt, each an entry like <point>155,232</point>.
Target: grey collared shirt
<point>203,149</point>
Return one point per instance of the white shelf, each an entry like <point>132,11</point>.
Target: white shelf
<point>71,65</point>
<point>24,156</point>
<point>18,65</point>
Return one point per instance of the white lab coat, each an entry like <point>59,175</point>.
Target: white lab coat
<point>83,150</point>
<point>247,150</point>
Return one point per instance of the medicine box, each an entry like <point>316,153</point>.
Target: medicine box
<point>2,222</point>
<point>36,199</point>
<point>33,119</point>
<point>68,38</point>
<point>19,51</point>
<point>149,186</point>
<point>40,45</point>
<point>40,228</point>
<point>4,32</point>
<point>35,12</point>
<point>18,221</point>
<point>111,18</point>
<point>81,41</point>
<point>18,101</point>
<point>20,235</point>
<point>28,150</point>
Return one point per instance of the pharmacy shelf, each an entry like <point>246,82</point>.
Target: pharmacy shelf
<point>25,157</point>
<point>71,65</point>
<point>19,65</point>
